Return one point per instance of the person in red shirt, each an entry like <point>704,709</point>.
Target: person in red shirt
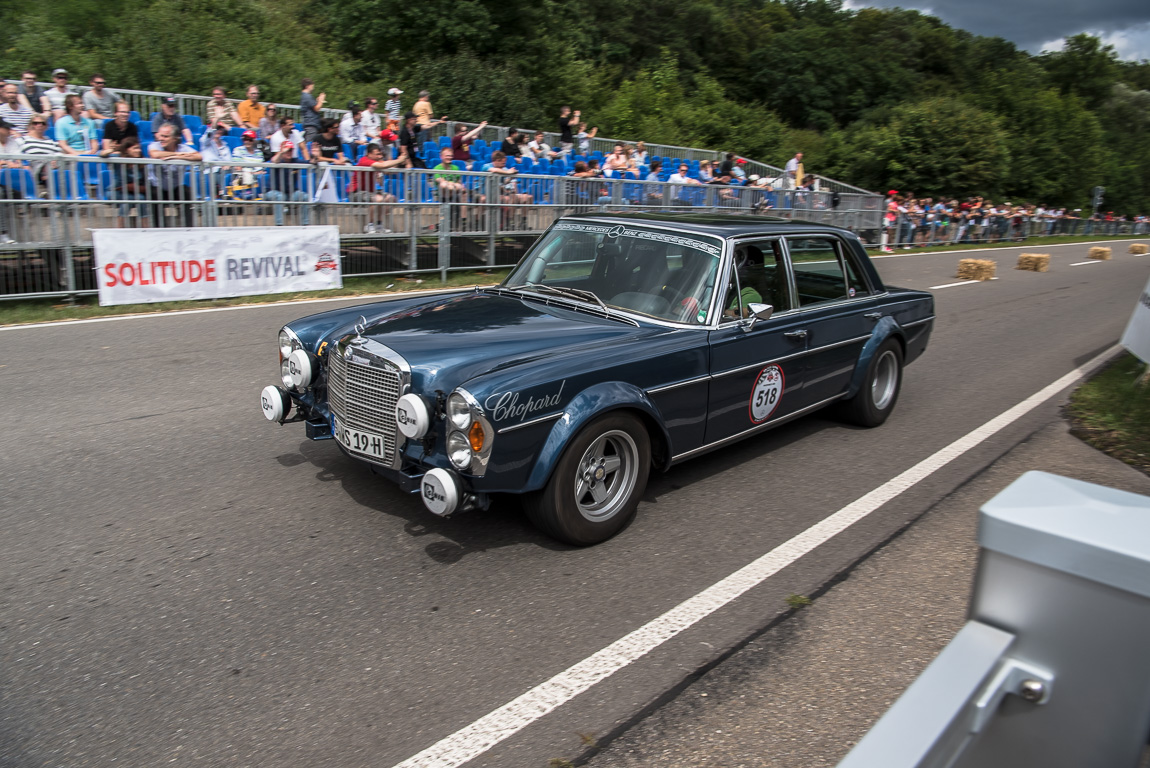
<point>362,187</point>
<point>462,140</point>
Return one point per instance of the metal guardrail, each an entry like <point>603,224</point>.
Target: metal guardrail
<point>912,231</point>
<point>395,221</point>
<point>1051,668</point>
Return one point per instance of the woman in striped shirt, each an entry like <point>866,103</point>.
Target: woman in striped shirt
<point>36,144</point>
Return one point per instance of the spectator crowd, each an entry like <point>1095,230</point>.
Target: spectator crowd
<point>252,138</point>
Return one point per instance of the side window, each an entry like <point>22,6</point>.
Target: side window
<point>819,271</point>
<point>763,271</point>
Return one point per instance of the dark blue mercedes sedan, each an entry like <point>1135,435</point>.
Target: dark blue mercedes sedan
<point>619,343</point>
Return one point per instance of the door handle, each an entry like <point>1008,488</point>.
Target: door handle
<point>796,335</point>
<point>873,315</point>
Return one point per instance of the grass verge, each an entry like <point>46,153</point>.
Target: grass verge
<point>1111,412</point>
<point>48,310</point>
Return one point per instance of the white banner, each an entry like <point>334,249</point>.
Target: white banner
<point>136,266</point>
<point>1137,336</point>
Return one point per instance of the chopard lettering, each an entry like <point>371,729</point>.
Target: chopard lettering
<point>506,405</point>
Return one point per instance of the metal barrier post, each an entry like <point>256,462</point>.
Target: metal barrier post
<point>1051,669</point>
<point>495,214</point>
<point>444,242</point>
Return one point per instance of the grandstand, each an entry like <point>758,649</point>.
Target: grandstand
<point>50,212</point>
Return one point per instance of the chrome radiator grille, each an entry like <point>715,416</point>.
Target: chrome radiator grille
<point>362,394</point>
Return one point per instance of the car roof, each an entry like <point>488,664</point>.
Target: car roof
<point>721,225</point>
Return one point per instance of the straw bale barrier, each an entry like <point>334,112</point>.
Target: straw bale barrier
<point>976,269</point>
<point>1102,254</point>
<point>1034,262</point>
<point>1139,248</point>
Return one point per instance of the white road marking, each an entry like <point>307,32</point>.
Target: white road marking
<point>1081,263</point>
<point>264,305</point>
<point>951,285</point>
<point>502,723</point>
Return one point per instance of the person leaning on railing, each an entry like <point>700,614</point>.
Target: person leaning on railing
<point>283,183</point>
<point>129,180</point>
<point>367,186</point>
<point>169,178</point>
<point>119,128</point>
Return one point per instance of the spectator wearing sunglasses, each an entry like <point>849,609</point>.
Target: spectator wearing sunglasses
<point>269,123</point>
<point>58,92</point>
<point>370,120</point>
<point>248,151</point>
<point>99,102</point>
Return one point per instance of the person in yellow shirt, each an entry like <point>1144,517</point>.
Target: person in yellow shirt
<point>250,110</point>
<point>423,112</point>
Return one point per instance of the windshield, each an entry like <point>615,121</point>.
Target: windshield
<point>668,275</point>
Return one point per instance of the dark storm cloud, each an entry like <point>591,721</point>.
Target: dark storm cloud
<point>1031,23</point>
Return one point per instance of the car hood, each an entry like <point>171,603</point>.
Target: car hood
<point>451,340</point>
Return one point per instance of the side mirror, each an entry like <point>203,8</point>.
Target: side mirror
<point>758,312</point>
<point>761,311</point>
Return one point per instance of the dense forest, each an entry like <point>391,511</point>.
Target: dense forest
<point>879,98</point>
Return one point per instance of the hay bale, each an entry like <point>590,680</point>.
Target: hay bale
<point>976,269</point>
<point>1034,262</point>
<point>1102,254</point>
<point>1139,248</point>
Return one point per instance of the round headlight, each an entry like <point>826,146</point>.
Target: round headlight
<point>287,343</point>
<point>300,370</point>
<point>412,417</point>
<point>458,411</point>
<point>459,450</point>
<point>285,375</point>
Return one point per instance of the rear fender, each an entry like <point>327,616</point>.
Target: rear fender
<point>886,328</point>
<point>587,406</point>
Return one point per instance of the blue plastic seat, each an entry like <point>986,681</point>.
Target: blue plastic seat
<point>237,132</point>
<point>430,147</point>
<point>444,141</point>
<point>18,180</point>
<point>193,122</point>
<point>478,144</point>
<point>68,185</point>
<point>144,128</point>
<point>134,116</point>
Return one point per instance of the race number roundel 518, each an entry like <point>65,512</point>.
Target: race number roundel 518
<point>767,393</point>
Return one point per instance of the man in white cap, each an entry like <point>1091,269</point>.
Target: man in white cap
<point>394,108</point>
<point>58,92</point>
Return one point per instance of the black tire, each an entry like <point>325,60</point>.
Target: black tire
<point>582,506</point>
<point>877,396</point>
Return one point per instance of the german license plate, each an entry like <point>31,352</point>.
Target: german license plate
<point>367,443</point>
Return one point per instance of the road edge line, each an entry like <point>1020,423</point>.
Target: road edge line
<point>500,724</point>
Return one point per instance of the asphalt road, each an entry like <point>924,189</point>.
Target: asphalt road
<point>181,582</point>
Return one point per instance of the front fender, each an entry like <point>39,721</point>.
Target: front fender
<point>583,408</point>
<point>885,328</point>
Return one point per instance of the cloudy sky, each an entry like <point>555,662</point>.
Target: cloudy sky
<point>1038,25</point>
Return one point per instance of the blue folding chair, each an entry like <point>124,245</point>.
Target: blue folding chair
<point>479,145</point>
<point>194,123</point>
<point>134,116</point>
<point>444,141</point>
<point>18,180</point>
<point>68,185</point>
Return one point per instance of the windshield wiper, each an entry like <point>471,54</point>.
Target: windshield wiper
<point>564,291</point>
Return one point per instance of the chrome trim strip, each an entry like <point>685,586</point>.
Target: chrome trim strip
<point>523,424</point>
<point>759,428</point>
<point>917,322</point>
<point>792,356</point>
<point>688,382</point>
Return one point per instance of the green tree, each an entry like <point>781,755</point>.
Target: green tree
<point>940,146</point>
